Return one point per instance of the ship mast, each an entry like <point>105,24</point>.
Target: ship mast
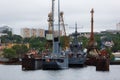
<point>53,23</point>
<point>59,26</point>
<point>56,40</point>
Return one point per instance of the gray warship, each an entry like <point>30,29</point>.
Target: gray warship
<point>77,55</point>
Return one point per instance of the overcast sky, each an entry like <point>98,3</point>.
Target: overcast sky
<point>34,14</point>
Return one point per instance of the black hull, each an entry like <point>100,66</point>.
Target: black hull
<point>76,65</point>
<point>35,64</point>
<point>50,66</point>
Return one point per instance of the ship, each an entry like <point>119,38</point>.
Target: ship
<point>49,60</point>
<point>57,59</point>
<point>97,57</point>
<point>77,54</point>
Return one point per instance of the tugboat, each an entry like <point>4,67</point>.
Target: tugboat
<point>77,56</point>
<point>56,59</point>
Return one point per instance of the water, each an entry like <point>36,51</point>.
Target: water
<point>14,72</point>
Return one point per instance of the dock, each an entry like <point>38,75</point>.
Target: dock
<point>31,64</point>
<point>102,64</point>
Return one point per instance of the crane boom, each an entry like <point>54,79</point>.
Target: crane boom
<point>66,39</point>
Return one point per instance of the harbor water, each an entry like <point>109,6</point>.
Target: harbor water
<point>14,72</point>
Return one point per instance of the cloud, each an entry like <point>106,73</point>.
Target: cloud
<point>21,13</point>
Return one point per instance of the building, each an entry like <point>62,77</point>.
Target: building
<point>32,32</point>
<point>111,31</point>
<point>37,32</point>
<point>41,33</point>
<point>4,29</point>
<point>25,32</point>
<point>118,26</point>
<point>56,33</point>
<point>85,34</point>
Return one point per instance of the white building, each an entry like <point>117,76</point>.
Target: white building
<point>118,26</point>
<point>32,32</point>
<point>25,32</point>
<point>40,32</point>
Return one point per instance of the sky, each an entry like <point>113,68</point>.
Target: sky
<point>18,14</point>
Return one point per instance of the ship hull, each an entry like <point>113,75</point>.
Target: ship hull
<point>54,64</point>
<point>77,62</point>
<point>50,66</point>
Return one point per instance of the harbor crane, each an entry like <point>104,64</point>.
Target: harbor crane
<point>49,35</point>
<point>61,26</point>
<point>66,39</point>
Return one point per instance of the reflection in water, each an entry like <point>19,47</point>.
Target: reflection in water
<point>13,72</point>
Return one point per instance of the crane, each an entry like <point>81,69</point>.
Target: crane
<point>66,39</point>
<point>50,34</point>
<point>50,28</point>
<point>50,23</point>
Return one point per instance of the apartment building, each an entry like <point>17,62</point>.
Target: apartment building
<point>32,32</point>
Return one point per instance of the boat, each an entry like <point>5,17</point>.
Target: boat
<point>97,57</point>
<point>57,59</point>
<point>54,60</point>
<point>77,55</point>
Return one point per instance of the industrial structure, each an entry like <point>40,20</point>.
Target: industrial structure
<point>99,58</point>
<point>60,32</point>
<point>91,42</point>
<point>66,39</point>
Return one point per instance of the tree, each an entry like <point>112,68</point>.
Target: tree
<point>112,57</point>
<point>17,39</point>
<point>84,40</point>
<point>26,40</point>
<point>116,40</point>
<point>7,38</point>
<point>9,53</point>
<point>98,40</point>
<point>20,49</point>
<point>37,43</point>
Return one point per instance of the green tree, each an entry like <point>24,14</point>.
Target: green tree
<point>98,40</point>
<point>84,40</point>
<point>20,49</point>
<point>112,57</point>
<point>9,53</point>
<point>37,43</point>
<point>7,38</point>
<point>26,40</point>
<point>116,40</point>
<point>17,39</point>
